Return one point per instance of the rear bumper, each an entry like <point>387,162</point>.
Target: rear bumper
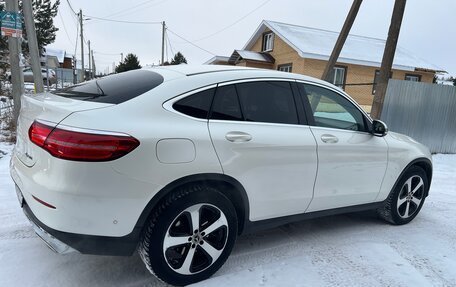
<point>53,243</point>
<point>90,199</point>
<point>64,242</point>
<point>68,227</point>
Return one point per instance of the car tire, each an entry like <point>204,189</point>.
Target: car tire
<point>406,200</point>
<point>178,253</point>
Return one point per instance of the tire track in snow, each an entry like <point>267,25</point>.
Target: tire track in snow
<point>422,264</point>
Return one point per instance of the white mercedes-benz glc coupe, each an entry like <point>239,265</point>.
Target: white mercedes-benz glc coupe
<point>177,161</point>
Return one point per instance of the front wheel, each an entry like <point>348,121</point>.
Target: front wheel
<point>406,200</point>
<point>189,236</point>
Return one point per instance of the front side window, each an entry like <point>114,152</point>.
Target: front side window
<point>268,41</point>
<point>338,77</point>
<point>285,68</point>
<point>332,110</point>
<point>413,78</point>
<point>268,101</point>
<point>196,105</point>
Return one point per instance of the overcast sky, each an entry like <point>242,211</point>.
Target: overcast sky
<point>427,28</point>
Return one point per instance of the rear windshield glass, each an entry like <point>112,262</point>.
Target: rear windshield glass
<point>113,89</point>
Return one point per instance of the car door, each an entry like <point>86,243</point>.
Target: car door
<point>351,160</point>
<point>261,141</point>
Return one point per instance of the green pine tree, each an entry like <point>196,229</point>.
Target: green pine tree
<point>130,62</point>
<point>43,12</point>
<point>178,59</point>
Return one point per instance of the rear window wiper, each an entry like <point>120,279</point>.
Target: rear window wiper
<point>100,92</point>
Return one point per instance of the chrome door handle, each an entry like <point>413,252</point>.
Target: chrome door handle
<point>236,136</point>
<point>329,138</point>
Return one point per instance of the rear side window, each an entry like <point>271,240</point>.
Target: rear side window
<point>226,105</point>
<point>196,105</point>
<point>270,102</point>
<point>113,89</point>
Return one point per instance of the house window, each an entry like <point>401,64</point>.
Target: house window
<point>338,77</point>
<point>413,78</point>
<point>285,68</point>
<point>268,42</point>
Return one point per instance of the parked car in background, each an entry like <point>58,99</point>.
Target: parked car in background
<point>28,75</point>
<point>177,161</point>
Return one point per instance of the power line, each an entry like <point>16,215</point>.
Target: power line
<point>121,12</point>
<point>74,15</point>
<point>128,9</point>
<point>64,27</point>
<point>107,54</point>
<point>167,57</point>
<point>169,43</point>
<point>191,43</point>
<point>234,23</point>
<point>121,21</point>
<point>134,10</point>
<point>71,7</point>
<point>85,41</point>
<point>77,36</point>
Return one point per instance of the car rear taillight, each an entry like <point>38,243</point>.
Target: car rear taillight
<point>81,145</point>
<point>38,133</point>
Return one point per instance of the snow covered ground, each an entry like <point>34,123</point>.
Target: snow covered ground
<point>347,250</point>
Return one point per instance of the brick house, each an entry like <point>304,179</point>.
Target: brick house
<point>304,50</point>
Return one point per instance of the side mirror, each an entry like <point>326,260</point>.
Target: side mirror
<point>379,128</point>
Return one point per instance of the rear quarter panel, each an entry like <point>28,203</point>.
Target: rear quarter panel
<point>145,119</point>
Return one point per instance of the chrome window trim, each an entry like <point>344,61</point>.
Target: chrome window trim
<point>341,130</point>
<point>247,80</point>
<point>168,105</point>
<point>258,123</point>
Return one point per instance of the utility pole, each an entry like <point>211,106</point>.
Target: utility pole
<point>17,76</point>
<point>33,45</point>
<point>121,57</point>
<point>341,40</point>
<point>75,71</point>
<point>90,61</point>
<point>93,67</point>
<point>82,45</point>
<point>388,56</point>
<point>163,43</point>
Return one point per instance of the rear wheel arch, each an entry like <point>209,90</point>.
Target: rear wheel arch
<point>226,185</point>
